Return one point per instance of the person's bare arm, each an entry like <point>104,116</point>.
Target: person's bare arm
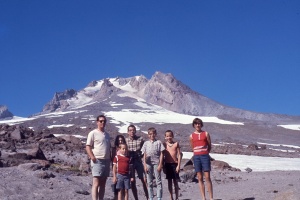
<point>208,141</point>
<point>179,157</point>
<point>161,157</point>
<point>114,173</point>
<point>144,162</point>
<point>191,142</point>
<point>90,153</point>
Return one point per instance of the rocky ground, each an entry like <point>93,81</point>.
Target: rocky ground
<point>24,182</point>
<point>38,165</point>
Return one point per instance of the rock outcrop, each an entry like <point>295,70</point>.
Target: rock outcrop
<point>59,100</point>
<point>20,145</point>
<point>4,112</point>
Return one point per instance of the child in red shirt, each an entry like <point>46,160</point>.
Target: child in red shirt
<point>122,172</point>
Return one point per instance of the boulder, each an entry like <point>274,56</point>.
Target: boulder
<point>17,134</point>
<point>36,153</point>
<point>252,147</point>
<point>30,166</point>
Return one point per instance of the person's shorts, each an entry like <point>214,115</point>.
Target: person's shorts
<point>170,169</point>
<point>123,181</point>
<point>101,167</point>
<point>202,163</point>
<point>139,168</point>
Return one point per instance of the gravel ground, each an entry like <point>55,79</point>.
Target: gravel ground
<point>23,183</point>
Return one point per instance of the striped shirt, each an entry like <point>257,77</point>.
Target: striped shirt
<point>200,143</point>
<point>135,146</point>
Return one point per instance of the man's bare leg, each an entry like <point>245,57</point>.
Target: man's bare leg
<point>95,187</point>
<point>201,184</point>
<point>98,189</point>
<point>209,184</point>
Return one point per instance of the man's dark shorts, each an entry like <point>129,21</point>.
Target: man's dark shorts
<point>202,163</point>
<point>170,169</point>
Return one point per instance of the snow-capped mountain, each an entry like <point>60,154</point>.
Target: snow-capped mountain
<point>162,102</point>
<point>162,90</point>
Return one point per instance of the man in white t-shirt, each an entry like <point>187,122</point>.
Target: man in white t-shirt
<point>98,149</point>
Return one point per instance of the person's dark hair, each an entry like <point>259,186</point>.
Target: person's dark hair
<point>132,126</point>
<point>117,142</point>
<point>169,131</point>
<point>197,121</point>
<point>152,130</point>
<point>101,116</point>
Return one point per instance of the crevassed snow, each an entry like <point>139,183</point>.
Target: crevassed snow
<point>291,126</point>
<point>256,163</point>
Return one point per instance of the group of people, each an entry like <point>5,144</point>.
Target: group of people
<point>133,157</point>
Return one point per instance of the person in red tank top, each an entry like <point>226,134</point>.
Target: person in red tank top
<point>201,144</point>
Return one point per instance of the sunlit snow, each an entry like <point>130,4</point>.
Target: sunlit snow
<point>84,97</point>
<point>77,136</point>
<point>127,87</point>
<point>291,126</point>
<point>278,145</point>
<point>256,163</point>
<point>15,120</point>
<point>158,115</point>
<point>60,125</point>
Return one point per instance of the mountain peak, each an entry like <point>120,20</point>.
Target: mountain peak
<point>4,112</point>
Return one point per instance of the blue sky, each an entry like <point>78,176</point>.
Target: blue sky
<point>242,53</point>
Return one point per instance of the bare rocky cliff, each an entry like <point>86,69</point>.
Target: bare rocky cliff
<point>4,112</point>
<point>59,100</point>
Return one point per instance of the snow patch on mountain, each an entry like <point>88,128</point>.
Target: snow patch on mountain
<point>291,126</point>
<point>15,120</point>
<point>127,87</point>
<point>256,163</point>
<point>158,115</point>
<point>60,125</point>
